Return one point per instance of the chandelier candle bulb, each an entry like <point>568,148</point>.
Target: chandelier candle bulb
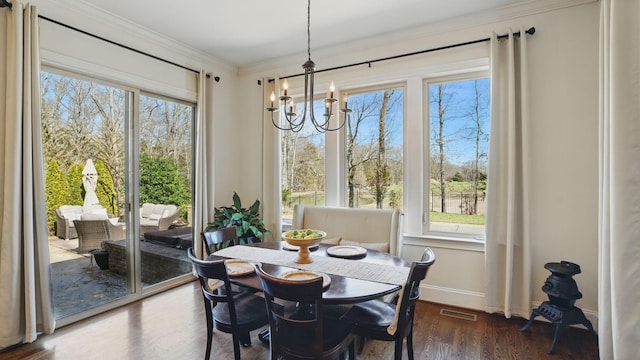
<point>273,98</point>
<point>331,89</point>
<point>285,87</point>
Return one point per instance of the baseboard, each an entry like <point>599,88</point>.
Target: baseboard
<point>453,297</point>
<point>475,300</point>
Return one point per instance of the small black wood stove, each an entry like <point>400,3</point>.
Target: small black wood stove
<point>563,293</point>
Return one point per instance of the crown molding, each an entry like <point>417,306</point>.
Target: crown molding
<point>86,16</point>
<point>383,45</point>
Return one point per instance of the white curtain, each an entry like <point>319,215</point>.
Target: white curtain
<point>507,247</point>
<point>619,180</point>
<point>25,300</point>
<point>204,175</point>
<point>271,167</point>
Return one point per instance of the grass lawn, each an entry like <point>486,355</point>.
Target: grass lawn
<point>457,218</point>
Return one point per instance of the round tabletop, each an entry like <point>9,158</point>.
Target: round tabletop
<point>342,290</point>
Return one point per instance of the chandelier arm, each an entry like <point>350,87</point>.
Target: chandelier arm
<point>292,126</point>
<point>290,117</point>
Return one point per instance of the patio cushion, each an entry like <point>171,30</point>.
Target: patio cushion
<point>94,217</point>
<point>71,212</point>
<point>146,210</point>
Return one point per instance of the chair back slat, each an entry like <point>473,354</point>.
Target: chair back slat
<point>220,238</point>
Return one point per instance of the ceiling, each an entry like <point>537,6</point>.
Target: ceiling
<point>244,32</point>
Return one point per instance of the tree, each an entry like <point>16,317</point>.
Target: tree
<point>381,180</point>
<point>303,157</point>
<point>76,188</point>
<point>357,154</point>
<point>477,116</point>
<point>160,182</point>
<point>109,141</point>
<point>104,189</point>
<point>370,129</point>
<point>441,98</point>
<point>56,191</point>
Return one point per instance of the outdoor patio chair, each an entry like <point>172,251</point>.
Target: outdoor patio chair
<point>65,214</point>
<point>91,234</point>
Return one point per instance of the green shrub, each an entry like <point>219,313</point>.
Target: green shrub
<point>76,189</point>
<point>105,190</point>
<point>56,192</point>
<point>161,183</point>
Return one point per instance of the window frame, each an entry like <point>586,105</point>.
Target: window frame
<point>471,74</point>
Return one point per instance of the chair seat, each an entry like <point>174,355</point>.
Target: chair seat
<point>372,318</point>
<point>252,316</point>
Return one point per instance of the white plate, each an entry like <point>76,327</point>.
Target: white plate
<point>238,267</point>
<point>287,246</point>
<point>346,251</point>
<point>306,275</point>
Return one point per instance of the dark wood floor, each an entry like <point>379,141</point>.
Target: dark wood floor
<point>171,326</point>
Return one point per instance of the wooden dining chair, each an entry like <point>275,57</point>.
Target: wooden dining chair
<point>215,240</point>
<point>299,330</point>
<point>235,313</point>
<point>372,319</point>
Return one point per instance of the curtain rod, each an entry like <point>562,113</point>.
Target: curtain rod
<point>529,31</point>
<point>217,78</point>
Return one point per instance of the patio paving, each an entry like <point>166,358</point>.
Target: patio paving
<point>77,282</point>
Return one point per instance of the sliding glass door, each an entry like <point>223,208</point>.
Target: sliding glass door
<point>104,146</point>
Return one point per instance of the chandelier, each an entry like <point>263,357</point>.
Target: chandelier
<point>293,122</point>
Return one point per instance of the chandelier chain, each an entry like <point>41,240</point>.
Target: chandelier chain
<point>309,29</point>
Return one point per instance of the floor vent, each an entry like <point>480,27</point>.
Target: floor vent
<point>458,314</point>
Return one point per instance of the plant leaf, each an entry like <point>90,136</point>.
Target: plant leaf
<point>236,201</point>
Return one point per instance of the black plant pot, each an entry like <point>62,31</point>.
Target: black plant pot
<point>102,259</point>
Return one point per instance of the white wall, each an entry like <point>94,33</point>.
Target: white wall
<point>564,105</point>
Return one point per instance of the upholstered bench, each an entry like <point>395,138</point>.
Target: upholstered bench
<point>375,229</point>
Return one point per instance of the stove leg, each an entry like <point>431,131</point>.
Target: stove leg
<point>533,316</point>
<point>556,334</point>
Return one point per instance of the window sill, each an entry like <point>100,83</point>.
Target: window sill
<point>444,241</point>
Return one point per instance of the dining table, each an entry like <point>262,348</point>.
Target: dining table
<point>351,279</point>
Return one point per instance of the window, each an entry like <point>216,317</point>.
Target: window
<point>374,149</point>
<point>458,137</point>
<point>303,168</point>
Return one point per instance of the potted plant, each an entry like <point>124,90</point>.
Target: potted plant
<point>250,226</point>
